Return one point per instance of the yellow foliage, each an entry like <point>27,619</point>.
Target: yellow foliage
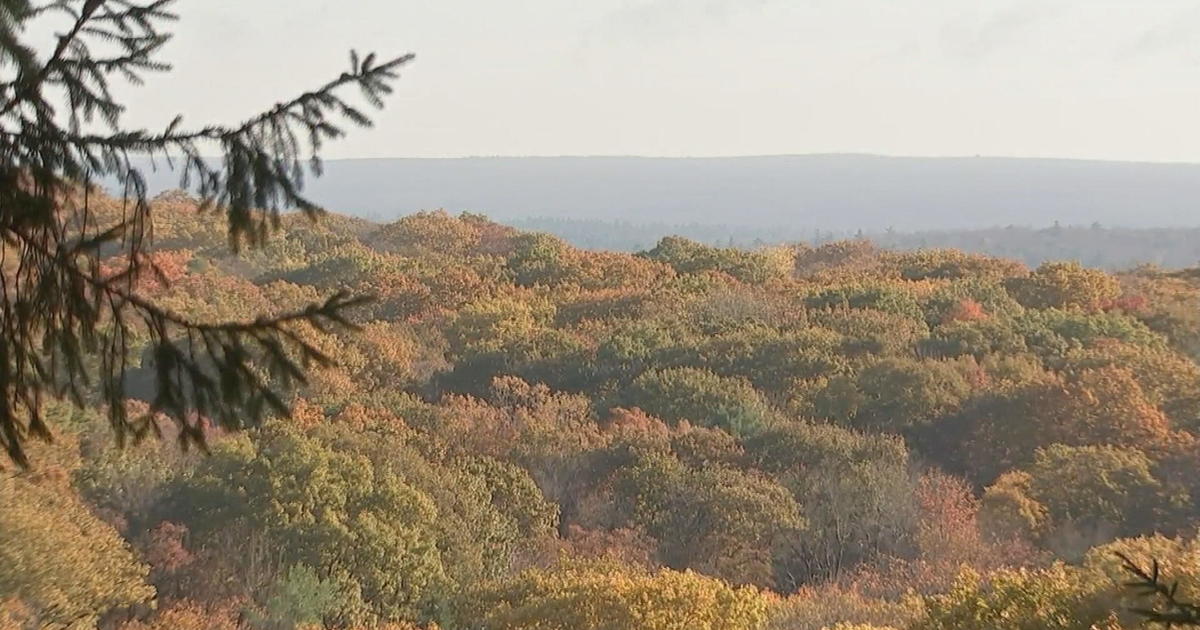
<point>1008,512</point>
<point>831,606</point>
<point>59,559</point>
<point>1065,285</point>
<point>186,615</point>
<point>1178,560</point>
<point>604,596</point>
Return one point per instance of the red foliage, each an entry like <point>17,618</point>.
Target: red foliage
<point>966,310</point>
<point>161,269</point>
<point>164,548</point>
<point>1129,304</point>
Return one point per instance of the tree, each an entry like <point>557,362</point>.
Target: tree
<point>827,605</point>
<point>603,596</point>
<point>855,489</point>
<point>1098,485</point>
<point>186,615</point>
<point>64,321</point>
<point>1170,380</point>
<point>65,564</point>
<point>1074,497</point>
<point>721,521</point>
<point>357,525</point>
<point>974,337</point>
<point>1104,406</point>
<point>702,397</point>
<point>889,298</point>
<point>688,256</point>
<point>894,395</point>
<point>1065,285</point>
<point>1058,597</point>
<point>300,599</point>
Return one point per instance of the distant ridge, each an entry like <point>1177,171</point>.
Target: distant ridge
<point>826,192</point>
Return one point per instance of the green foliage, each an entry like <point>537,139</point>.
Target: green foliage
<point>357,525</point>
<point>299,599</point>
<point>978,339</point>
<point>893,395</point>
<point>856,491</point>
<point>1090,485</point>
<point>701,397</point>
<point>690,257</point>
<point>868,331</point>
<point>953,264</point>
<point>538,259</point>
<point>889,299</point>
<point>770,359</point>
<point>1056,332</point>
<point>717,520</point>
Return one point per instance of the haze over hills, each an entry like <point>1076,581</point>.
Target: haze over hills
<point>841,192</point>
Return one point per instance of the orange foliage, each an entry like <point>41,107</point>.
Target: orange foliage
<point>965,310</point>
<point>948,537</point>
<point>1101,406</point>
<point>188,615</point>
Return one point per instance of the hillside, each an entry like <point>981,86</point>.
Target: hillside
<point>527,435</point>
<point>795,193</point>
<point>1094,245</point>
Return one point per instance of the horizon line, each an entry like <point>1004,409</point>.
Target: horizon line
<point>826,154</point>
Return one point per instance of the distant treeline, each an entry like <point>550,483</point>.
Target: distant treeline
<point>1094,245</point>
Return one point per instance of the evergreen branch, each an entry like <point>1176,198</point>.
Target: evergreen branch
<point>1172,611</point>
<point>58,312</point>
<point>29,88</point>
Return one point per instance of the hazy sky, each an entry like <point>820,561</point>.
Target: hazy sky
<point>1057,78</point>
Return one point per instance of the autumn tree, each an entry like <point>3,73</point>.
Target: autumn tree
<point>1058,597</point>
<point>189,615</point>
<point>893,395</point>
<point>687,256</point>
<point>363,528</point>
<point>1065,285</point>
<point>855,489</point>
<point>831,605</point>
<point>1082,496</point>
<point>61,561</point>
<point>1170,380</point>
<point>601,596</point>
<point>718,520</point>
<point>701,397</point>
<point>1104,406</point>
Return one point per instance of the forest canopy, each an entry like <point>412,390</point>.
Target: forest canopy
<point>523,434</point>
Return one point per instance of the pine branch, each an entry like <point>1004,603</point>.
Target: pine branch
<point>1170,611</point>
<point>59,315</point>
<point>28,88</point>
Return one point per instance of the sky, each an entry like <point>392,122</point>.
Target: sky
<point>1097,79</point>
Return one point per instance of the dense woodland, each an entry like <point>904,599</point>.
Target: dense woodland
<point>523,435</point>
